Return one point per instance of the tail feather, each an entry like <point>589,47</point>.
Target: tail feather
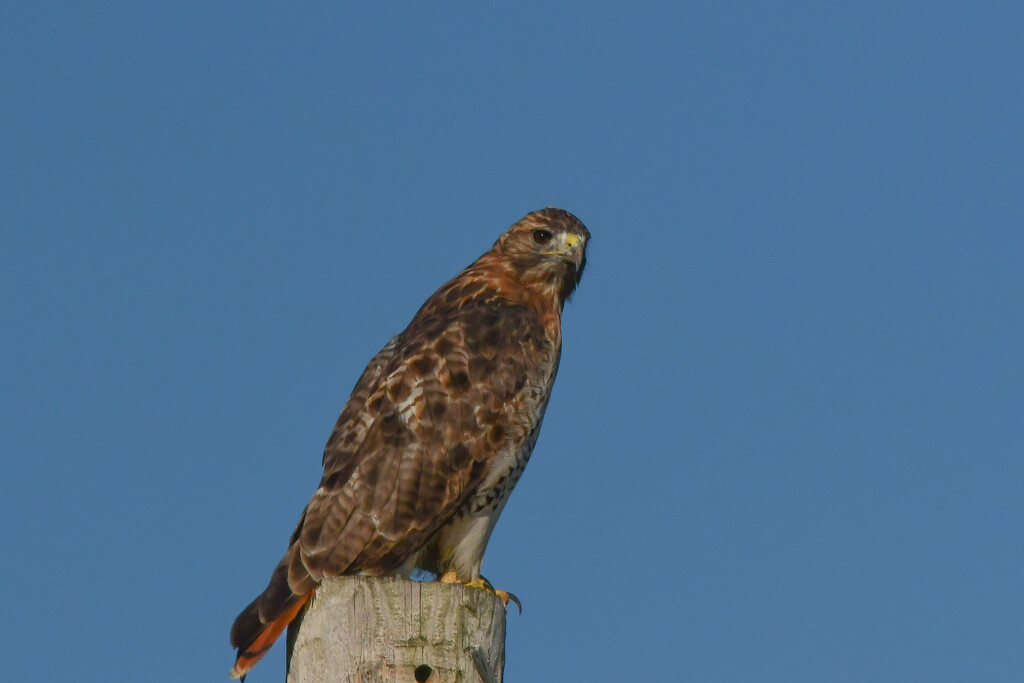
<point>254,651</point>
<point>262,622</point>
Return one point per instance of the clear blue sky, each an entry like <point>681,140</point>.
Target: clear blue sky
<point>786,439</point>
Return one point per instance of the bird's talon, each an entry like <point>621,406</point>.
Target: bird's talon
<point>506,596</point>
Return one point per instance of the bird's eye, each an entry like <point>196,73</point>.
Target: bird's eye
<point>542,236</point>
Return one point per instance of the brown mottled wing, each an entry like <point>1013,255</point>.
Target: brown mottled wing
<point>414,441</point>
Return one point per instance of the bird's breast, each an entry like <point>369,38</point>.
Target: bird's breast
<point>524,418</point>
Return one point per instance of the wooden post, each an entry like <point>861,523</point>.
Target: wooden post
<point>362,629</point>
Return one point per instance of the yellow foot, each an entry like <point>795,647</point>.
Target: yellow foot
<point>484,584</point>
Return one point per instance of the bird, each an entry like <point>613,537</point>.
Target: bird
<point>436,432</point>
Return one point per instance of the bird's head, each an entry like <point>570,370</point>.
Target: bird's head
<point>547,251</point>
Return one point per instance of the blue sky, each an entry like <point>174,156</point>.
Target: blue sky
<point>786,439</point>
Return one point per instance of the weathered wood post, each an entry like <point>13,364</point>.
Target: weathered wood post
<point>362,629</point>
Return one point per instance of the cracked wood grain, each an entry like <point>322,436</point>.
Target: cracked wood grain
<point>362,629</point>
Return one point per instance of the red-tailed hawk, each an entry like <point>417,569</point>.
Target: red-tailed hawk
<point>437,431</point>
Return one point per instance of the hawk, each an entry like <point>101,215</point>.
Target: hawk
<point>436,432</point>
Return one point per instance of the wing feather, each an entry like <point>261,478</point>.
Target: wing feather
<point>412,444</point>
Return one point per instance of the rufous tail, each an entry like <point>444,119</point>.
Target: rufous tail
<point>266,617</point>
<point>253,652</point>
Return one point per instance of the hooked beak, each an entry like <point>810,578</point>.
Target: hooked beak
<point>574,247</point>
